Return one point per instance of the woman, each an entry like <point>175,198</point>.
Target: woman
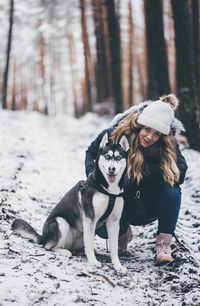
<point>155,170</point>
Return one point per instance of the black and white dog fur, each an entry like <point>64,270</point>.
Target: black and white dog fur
<point>72,223</point>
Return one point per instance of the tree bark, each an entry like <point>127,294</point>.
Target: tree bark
<point>6,71</point>
<point>157,66</point>
<point>13,101</point>
<point>73,72</point>
<point>114,43</point>
<point>107,47</point>
<point>196,42</point>
<point>86,56</point>
<point>185,72</point>
<point>101,67</point>
<point>131,57</point>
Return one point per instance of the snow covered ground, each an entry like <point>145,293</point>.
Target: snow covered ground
<point>41,158</point>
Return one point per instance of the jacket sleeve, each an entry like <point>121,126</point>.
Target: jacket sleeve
<point>182,165</point>
<point>92,152</point>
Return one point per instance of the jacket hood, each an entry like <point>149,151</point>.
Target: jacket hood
<point>176,127</point>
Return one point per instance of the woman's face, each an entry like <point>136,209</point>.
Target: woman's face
<point>148,136</point>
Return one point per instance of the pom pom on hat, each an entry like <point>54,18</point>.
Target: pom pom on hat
<point>159,114</point>
<point>172,100</point>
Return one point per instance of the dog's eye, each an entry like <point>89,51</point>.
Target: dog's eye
<point>118,158</point>
<point>107,157</point>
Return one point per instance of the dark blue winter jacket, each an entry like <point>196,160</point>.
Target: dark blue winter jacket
<point>152,174</point>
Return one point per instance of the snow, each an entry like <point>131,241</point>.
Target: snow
<point>41,158</point>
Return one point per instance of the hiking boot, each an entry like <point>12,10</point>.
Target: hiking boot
<point>163,248</point>
<point>124,240</point>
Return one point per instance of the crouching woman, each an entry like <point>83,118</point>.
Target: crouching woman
<point>155,170</point>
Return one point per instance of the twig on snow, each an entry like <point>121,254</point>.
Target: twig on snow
<point>12,251</point>
<point>82,274</point>
<point>109,281</point>
<point>50,276</point>
<point>106,278</point>
<point>3,201</point>
<point>36,254</point>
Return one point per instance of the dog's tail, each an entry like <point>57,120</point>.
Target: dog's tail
<point>25,230</point>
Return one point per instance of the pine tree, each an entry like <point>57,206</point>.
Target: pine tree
<point>114,43</point>
<point>196,42</point>
<point>185,72</point>
<point>131,55</point>
<point>5,76</point>
<point>157,67</point>
<point>101,65</point>
<point>86,49</point>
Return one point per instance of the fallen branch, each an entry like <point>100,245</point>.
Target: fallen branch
<point>50,276</point>
<point>12,251</point>
<point>36,254</point>
<point>82,274</point>
<point>109,281</point>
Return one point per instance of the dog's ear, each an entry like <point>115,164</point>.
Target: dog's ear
<point>124,143</point>
<point>104,141</point>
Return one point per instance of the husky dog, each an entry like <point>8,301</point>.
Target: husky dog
<point>87,206</point>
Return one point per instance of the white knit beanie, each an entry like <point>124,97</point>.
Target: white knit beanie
<point>159,114</point>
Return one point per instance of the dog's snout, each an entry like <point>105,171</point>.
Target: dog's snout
<point>112,169</point>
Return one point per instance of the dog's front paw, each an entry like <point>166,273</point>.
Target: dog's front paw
<point>120,269</point>
<point>64,252</point>
<point>95,263</point>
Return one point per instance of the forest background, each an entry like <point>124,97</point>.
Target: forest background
<point>103,56</point>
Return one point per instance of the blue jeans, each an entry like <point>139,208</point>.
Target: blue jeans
<point>162,205</point>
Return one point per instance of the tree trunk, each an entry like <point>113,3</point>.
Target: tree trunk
<point>196,42</point>
<point>172,51</point>
<point>5,77</point>
<point>131,48</point>
<point>73,72</point>
<point>107,47</point>
<point>86,56</point>
<point>141,90</point>
<point>23,93</point>
<point>13,101</point>
<point>157,67</point>
<point>42,66</point>
<point>185,72</point>
<point>114,43</point>
<point>101,67</point>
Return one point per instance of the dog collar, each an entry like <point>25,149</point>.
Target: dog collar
<point>112,197</point>
<point>92,182</point>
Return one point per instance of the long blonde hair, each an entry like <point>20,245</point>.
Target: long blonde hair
<point>129,127</point>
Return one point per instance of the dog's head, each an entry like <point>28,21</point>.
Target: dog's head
<point>112,160</point>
